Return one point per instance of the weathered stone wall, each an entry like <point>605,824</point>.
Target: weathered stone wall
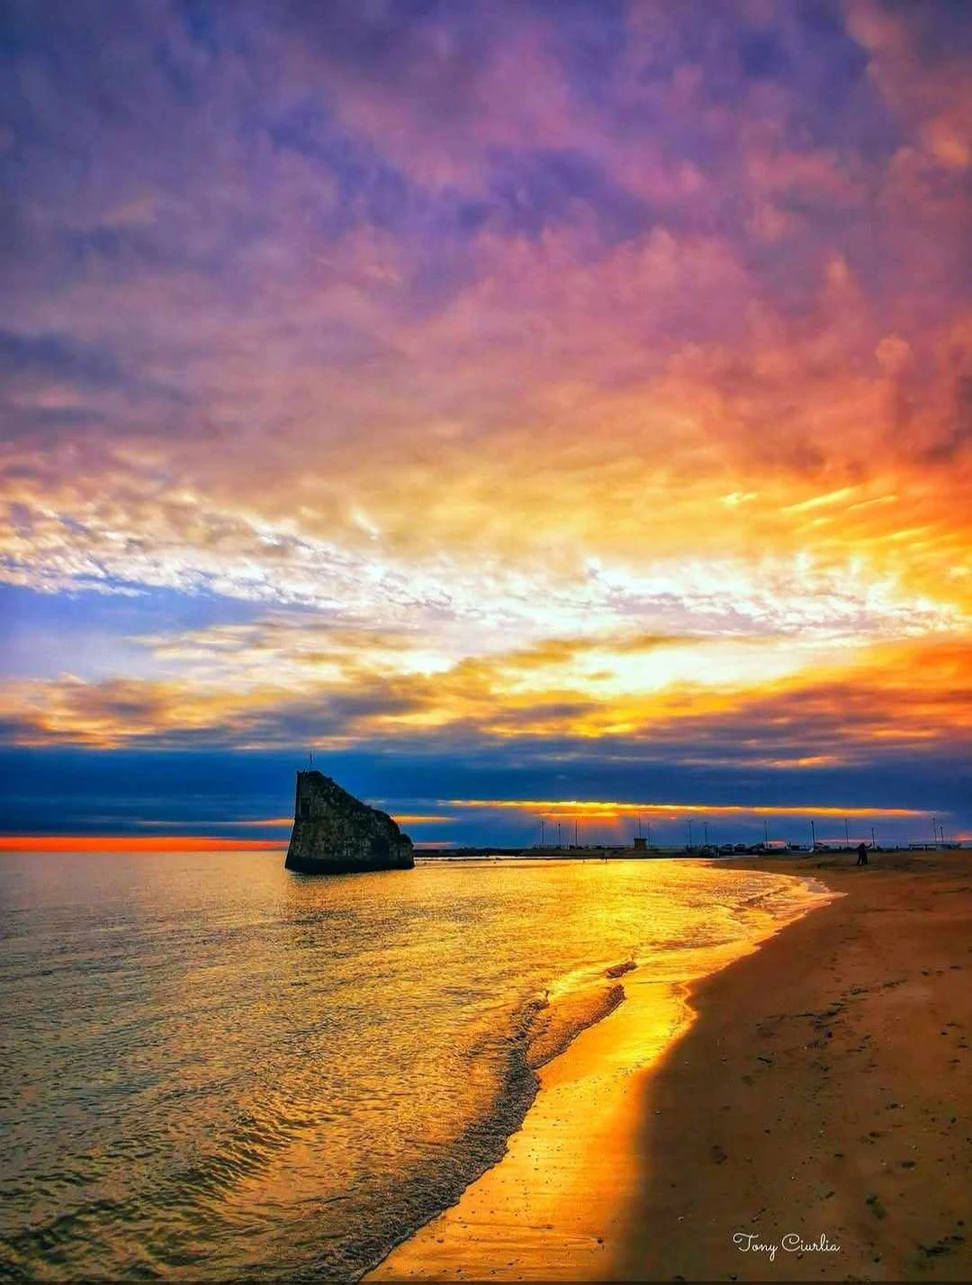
<point>335,833</point>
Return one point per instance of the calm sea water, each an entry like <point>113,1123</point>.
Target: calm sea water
<point>215,1069</point>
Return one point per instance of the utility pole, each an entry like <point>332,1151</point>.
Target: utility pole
<point>765,832</point>
<point>846,833</point>
<point>560,841</point>
<point>873,844</point>
<point>576,844</point>
<point>541,832</point>
<point>690,831</point>
<point>705,826</point>
<point>813,836</point>
<point>649,835</point>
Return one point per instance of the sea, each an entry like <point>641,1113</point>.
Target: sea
<point>213,1069</point>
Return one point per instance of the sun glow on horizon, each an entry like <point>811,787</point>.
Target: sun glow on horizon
<point>597,809</point>
<point>133,843</point>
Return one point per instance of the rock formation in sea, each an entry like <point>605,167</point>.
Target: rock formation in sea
<point>335,833</point>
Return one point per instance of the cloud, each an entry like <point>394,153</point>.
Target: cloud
<point>56,357</point>
<point>701,702</point>
<point>453,351</point>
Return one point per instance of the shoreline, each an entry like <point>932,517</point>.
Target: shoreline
<point>549,1209</point>
<point>818,1087</point>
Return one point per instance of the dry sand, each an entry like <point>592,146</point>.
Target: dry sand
<point>825,1090</point>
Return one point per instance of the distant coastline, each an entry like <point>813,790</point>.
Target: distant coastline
<point>227,843</point>
<point>617,852</point>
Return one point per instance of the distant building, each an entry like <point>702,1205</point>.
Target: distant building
<point>641,843</point>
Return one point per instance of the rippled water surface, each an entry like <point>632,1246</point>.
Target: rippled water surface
<point>213,1068</point>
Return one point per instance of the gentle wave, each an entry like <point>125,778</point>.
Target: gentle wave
<point>550,1027</point>
<point>543,1029</point>
<point>286,1078</point>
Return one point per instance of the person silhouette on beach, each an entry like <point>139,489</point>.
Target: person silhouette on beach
<point>862,854</point>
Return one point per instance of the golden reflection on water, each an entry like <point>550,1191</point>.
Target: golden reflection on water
<point>221,1067</point>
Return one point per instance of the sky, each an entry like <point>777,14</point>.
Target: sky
<point>534,410</point>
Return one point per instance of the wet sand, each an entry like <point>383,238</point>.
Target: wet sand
<point>823,1091</point>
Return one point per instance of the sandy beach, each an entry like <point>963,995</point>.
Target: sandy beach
<point>812,1122</point>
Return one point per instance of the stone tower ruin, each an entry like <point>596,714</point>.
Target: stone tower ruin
<point>335,833</point>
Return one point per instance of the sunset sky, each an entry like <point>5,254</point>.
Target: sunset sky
<point>534,408</point>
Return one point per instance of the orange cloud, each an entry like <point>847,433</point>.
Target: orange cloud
<point>600,810</point>
<point>775,701</point>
